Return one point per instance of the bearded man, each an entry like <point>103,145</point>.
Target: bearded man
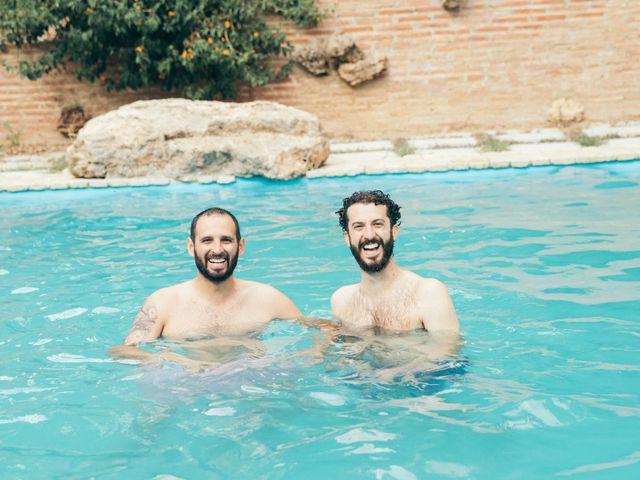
<point>388,298</point>
<point>214,303</point>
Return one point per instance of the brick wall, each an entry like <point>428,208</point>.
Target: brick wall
<point>30,109</point>
<point>496,64</point>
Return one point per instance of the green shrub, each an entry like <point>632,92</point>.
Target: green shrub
<point>402,147</point>
<point>200,48</point>
<point>585,140</point>
<point>58,164</point>
<point>489,143</point>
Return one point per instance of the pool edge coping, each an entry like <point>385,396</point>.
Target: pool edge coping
<point>377,159</point>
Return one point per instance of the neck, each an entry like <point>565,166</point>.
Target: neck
<point>375,282</point>
<point>217,292</point>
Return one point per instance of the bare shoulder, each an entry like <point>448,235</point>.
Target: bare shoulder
<point>277,303</point>
<point>153,313</point>
<point>164,299</point>
<point>341,298</point>
<point>433,287</point>
<point>169,293</point>
<point>437,306</point>
<point>258,289</point>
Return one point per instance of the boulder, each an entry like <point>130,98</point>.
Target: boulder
<point>370,67</point>
<point>182,139</point>
<point>313,60</point>
<point>342,49</point>
<point>72,119</point>
<point>341,53</point>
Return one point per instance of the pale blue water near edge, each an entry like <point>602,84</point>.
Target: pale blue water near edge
<point>543,265</point>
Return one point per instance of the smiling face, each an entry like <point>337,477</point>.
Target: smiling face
<point>215,247</point>
<point>370,235</point>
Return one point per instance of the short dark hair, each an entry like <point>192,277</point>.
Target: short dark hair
<point>214,211</point>
<point>377,197</point>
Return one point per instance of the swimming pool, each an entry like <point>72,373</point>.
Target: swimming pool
<point>543,265</point>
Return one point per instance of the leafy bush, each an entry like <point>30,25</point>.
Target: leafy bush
<point>584,140</point>
<point>402,147</point>
<point>200,48</point>
<point>489,143</point>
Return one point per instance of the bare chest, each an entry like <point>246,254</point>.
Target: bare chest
<point>394,311</point>
<point>196,319</point>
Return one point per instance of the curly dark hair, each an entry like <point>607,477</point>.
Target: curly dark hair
<point>377,197</point>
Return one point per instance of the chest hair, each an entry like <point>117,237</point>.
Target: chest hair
<point>396,309</point>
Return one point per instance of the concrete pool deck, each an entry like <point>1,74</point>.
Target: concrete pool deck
<point>458,151</point>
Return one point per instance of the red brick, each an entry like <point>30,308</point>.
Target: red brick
<point>589,14</point>
<point>546,18</point>
<point>498,63</point>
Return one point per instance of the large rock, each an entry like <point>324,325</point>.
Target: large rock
<point>180,138</point>
<point>372,66</point>
<point>329,54</point>
<point>342,49</point>
<point>314,60</point>
<point>341,53</point>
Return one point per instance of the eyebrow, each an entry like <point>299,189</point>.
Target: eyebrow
<point>359,222</point>
<point>222,237</point>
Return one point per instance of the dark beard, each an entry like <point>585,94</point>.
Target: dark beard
<point>202,268</point>
<point>387,252</point>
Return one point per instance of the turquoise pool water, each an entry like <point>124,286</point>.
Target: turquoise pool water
<point>543,265</point>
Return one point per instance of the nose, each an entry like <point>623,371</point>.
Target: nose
<point>369,232</point>
<point>216,247</point>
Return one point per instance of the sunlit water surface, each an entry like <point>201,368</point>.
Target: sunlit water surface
<point>543,266</point>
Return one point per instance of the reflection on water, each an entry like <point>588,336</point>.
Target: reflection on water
<point>389,357</point>
<point>388,365</point>
<point>222,350</point>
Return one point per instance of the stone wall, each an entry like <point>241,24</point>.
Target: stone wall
<point>495,64</point>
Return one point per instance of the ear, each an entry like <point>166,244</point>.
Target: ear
<point>241,247</point>
<point>190,247</point>
<point>394,232</point>
<point>347,240</point>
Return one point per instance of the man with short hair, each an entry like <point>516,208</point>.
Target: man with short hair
<point>388,297</point>
<point>214,303</point>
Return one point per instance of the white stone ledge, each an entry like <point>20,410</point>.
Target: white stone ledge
<point>534,136</point>
<point>459,156</point>
<point>464,140</point>
<point>348,147</point>
<point>630,129</point>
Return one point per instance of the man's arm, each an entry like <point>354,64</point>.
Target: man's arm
<point>132,352</point>
<point>441,321</point>
<point>338,302</point>
<point>287,310</point>
<point>438,312</point>
<point>147,325</point>
<point>282,307</point>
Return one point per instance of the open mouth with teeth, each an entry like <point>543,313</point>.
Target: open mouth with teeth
<point>216,267</point>
<point>371,248</point>
<point>372,254</point>
<point>217,262</point>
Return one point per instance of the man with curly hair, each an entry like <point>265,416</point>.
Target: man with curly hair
<point>388,298</point>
